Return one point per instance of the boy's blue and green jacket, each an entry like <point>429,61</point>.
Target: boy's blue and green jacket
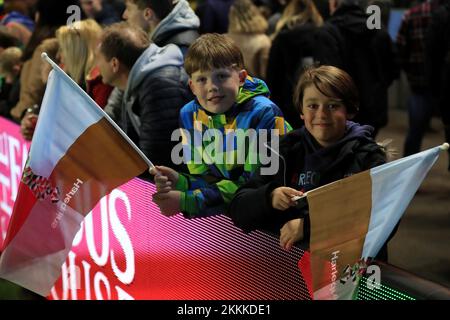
<point>219,161</point>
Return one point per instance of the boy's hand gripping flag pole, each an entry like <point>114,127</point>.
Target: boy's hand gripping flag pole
<point>77,156</point>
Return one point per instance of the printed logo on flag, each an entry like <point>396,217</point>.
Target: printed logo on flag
<point>40,186</point>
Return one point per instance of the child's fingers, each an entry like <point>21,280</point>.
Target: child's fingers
<point>284,202</point>
<point>290,191</point>
<point>161,186</point>
<point>288,245</point>
<point>161,179</point>
<point>164,170</point>
<point>292,203</point>
<point>287,200</point>
<point>286,241</point>
<point>281,204</point>
<point>282,241</point>
<point>163,189</point>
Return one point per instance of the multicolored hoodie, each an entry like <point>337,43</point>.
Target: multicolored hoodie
<point>219,161</point>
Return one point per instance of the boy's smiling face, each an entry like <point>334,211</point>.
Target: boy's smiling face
<point>216,90</point>
<point>325,117</point>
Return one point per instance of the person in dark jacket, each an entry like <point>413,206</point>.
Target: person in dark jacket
<point>165,21</point>
<point>411,44</point>
<point>328,148</point>
<point>101,11</point>
<point>438,64</point>
<point>301,40</point>
<point>214,15</point>
<point>369,58</point>
<point>155,87</point>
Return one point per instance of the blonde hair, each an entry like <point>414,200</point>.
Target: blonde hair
<point>77,45</point>
<point>299,12</point>
<point>8,59</point>
<point>245,17</point>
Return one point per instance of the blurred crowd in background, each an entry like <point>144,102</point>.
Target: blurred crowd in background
<point>278,39</point>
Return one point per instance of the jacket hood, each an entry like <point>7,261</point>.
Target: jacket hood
<point>353,131</point>
<point>182,17</point>
<point>300,141</point>
<point>351,18</point>
<point>252,87</point>
<point>151,59</point>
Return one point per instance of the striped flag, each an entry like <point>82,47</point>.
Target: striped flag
<point>77,156</point>
<point>352,218</point>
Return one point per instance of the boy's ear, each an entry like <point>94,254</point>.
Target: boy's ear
<point>301,113</point>
<point>242,76</point>
<point>190,84</point>
<point>115,64</point>
<point>148,14</point>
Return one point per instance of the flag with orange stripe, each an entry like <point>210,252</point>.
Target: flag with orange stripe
<point>77,156</point>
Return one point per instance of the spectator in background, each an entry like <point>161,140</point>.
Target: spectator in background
<point>275,14</point>
<point>77,44</point>
<point>17,20</point>
<point>7,39</point>
<point>213,15</point>
<point>10,66</point>
<point>50,15</point>
<point>411,47</point>
<point>101,11</point>
<point>438,62</point>
<point>155,87</point>
<point>300,40</point>
<point>28,122</point>
<point>323,8</point>
<point>118,5</point>
<point>298,12</point>
<point>267,7</point>
<point>247,29</point>
<point>385,7</point>
<point>368,57</point>
<point>51,47</point>
<point>165,22</point>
